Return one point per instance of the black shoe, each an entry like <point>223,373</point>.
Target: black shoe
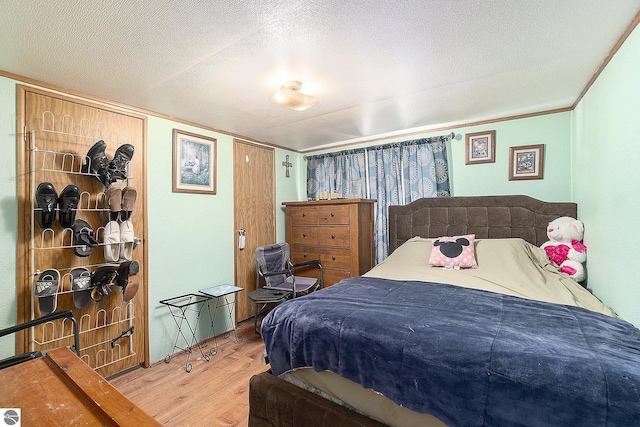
<point>47,199</point>
<point>118,166</point>
<point>129,286</point>
<point>98,163</point>
<point>68,203</point>
<point>126,269</point>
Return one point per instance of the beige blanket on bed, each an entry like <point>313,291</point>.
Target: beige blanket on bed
<point>508,266</point>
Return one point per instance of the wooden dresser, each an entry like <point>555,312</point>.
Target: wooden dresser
<point>337,232</point>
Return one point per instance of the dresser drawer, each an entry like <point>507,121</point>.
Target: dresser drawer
<point>336,258</point>
<point>304,215</point>
<point>302,254</point>
<point>304,235</point>
<point>338,214</point>
<point>331,276</point>
<point>333,236</point>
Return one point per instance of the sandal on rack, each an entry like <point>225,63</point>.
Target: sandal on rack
<point>47,199</point>
<point>131,289</point>
<point>47,290</point>
<point>127,238</point>
<point>126,269</point>
<point>102,279</point>
<point>83,241</point>
<point>127,279</point>
<point>68,203</point>
<point>112,241</point>
<point>81,286</point>
<point>113,201</point>
<point>129,195</point>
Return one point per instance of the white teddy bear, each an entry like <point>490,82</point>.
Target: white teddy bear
<point>565,246</point>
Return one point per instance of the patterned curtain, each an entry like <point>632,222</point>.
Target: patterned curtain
<point>342,172</point>
<point>402,173</point>
<point>393,174</point>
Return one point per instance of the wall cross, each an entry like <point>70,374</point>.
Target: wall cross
<point>287,164</point>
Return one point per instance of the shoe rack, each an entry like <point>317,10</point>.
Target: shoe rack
<point>57,137</point>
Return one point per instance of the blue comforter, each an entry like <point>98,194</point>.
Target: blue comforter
<point>467,356</point>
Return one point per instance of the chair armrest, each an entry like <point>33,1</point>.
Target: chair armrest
<point>287,272</point>
<point>315,262</point>
<point>48,318</point>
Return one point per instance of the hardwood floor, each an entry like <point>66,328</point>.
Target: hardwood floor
<point>214,393</point>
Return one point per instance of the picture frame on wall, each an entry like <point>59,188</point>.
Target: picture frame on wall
<point>480,147</point>
<point>526,162</point>
<point>194,163</point>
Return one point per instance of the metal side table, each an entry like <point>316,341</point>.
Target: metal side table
<point>224,296</point>
<point>179,307</point>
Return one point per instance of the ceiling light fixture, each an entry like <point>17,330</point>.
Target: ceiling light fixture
<point>289,96</point>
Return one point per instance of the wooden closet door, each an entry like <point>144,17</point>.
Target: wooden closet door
<point>57,133</point>
<point>254,212</point>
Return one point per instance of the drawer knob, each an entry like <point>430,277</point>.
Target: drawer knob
<point>304,255</point>
<point>303,215</point>
<point>333,258</point>
<point>333,236</point>
<point>332,215</point>
<point>304,235</point>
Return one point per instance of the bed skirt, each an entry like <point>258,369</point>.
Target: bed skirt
<point>274,402</point>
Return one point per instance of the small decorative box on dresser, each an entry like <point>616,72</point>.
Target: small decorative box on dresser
<point>337,232</point>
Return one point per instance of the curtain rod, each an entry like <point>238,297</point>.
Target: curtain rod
<point>451,135</point>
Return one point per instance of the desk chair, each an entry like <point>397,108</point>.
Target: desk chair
<point>275,270</point>
<point>19,358</point>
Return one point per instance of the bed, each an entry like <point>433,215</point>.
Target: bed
<point>511,342</point>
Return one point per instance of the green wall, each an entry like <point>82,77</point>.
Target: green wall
<point>9,214</point>
<point>190,236</point>
<point>552,130</point>
<point>606,179</point>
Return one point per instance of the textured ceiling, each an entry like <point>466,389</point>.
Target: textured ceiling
<point>377,66</point>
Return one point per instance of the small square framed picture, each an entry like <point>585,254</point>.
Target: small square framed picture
<point>526,162</point>
<point>480,147</point>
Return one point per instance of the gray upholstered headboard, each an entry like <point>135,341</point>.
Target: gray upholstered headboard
<point>485,216</point>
